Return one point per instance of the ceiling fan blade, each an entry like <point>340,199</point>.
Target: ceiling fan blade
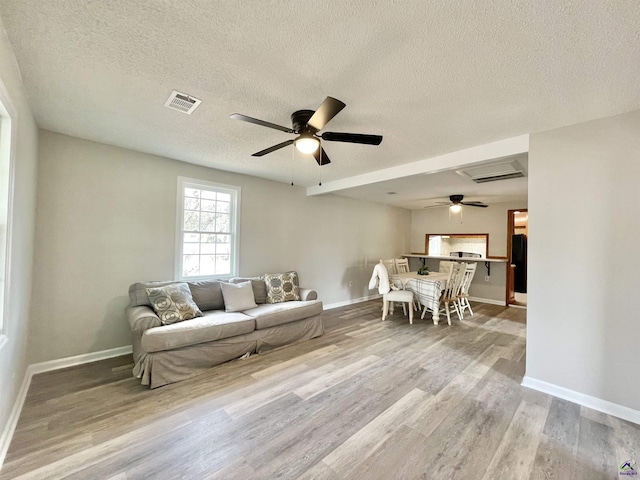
<point>272,149</point>
<point>438,206</point>
<point>352,138</point>
<point>244,118</point>
<point>325,112</point>
<point>321,156</point>
<point>474,204</point>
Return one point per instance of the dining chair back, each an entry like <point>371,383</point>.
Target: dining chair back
<point>390,265</point>
<point>402,265</point>
<point>463,296</point>
<point>446,266</point>
<point>450,293</point>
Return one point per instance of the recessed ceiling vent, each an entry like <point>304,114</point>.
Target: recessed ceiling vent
<point>494,172</point>
<point>182,102</point>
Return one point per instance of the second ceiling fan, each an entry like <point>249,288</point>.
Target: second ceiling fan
<point>306,125</point>
<point>455,203</point>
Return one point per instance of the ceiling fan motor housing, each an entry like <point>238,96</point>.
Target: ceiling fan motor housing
<point>455,199</point>
<point>299,120</point>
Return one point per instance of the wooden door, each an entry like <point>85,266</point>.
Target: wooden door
<point>512,229</point>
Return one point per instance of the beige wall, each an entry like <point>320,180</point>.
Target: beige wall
<point>491,220</point>
<point>583,328</point>
<point>106,219</point>
<point>13,352</point>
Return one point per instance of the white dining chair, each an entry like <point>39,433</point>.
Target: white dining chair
<point>463,296</point>
<point>449,297</point>
<point>402,265</point>
<point>445,266</point>
<point>403,296</point>
<point>390,265</point>
<point>394,294</point>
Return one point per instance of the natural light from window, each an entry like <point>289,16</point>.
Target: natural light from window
<point>207,229</point>
<point>6,140</point>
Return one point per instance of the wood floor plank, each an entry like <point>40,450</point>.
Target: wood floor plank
<point>517,450</point>
<point>368,399</point>
<point>249,401</point>
<point>327,381</point>
<point>595,451</point>
<point>286,364</point>
<point>348,456</point>
<point>563,421</point>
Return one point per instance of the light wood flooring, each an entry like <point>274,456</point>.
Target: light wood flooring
<point>368,400</point>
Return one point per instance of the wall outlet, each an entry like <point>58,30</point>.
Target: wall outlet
<point>350,283</point>
<point>486,278</point>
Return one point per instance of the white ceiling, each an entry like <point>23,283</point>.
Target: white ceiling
<point>432,77</point>
<point>420,191</point>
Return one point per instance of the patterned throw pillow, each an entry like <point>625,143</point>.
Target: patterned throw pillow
<point>282,287</point>
<point>173,303</point>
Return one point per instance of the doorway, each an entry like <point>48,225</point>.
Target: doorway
<point>517,235</point>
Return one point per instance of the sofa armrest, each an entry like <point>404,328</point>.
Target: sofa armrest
<point>142,318</point>
<point>308,294</point>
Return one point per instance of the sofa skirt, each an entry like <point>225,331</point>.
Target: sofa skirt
<point>161,368</point>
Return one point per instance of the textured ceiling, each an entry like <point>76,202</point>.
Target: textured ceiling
<point>430,76</point>
<point>420,191</point>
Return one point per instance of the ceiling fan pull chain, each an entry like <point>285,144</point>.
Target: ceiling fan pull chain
<point>320,184</point>
<point>293,161</point>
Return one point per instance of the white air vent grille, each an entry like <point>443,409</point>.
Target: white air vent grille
<point>182,102</point>
<point>493,172</point>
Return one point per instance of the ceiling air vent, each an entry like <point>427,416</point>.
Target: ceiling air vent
<point>182,102</point>
<point>493,172</point>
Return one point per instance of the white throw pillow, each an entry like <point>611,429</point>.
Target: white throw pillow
<point>238,296</point>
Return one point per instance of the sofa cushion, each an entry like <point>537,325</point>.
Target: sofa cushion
<point>270,315</point>
<point>173,303</point>
<point>282,287</point>
<point>214,325</point>
<point>207,294</point>
<point>258,285</point>
<point>138,292</point>
<point>238,296</point>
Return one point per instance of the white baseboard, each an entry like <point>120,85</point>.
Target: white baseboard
<point>594,403</point>
<point>351,301</point>
<point>502,303</point>
<point>79,359</point>
<point>7,433</point>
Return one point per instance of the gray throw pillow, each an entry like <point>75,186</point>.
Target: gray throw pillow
<point>259,287</point>
<point>238,296</point>
<point>207,294</point>
<point>173,303</point>
<point>282,287</point>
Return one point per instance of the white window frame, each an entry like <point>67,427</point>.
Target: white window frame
<point>8,122</point>
<point>235,192</point>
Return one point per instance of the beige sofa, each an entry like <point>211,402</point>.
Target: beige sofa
<point>165,354</point>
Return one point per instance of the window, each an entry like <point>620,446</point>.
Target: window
<point>7,132</point>
<point>207,229</point>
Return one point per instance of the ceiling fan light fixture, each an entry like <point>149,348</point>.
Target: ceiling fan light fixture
<point>307,143</point>
<point>455,208</point>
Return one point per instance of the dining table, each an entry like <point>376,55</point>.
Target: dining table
<point>426,288</point>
